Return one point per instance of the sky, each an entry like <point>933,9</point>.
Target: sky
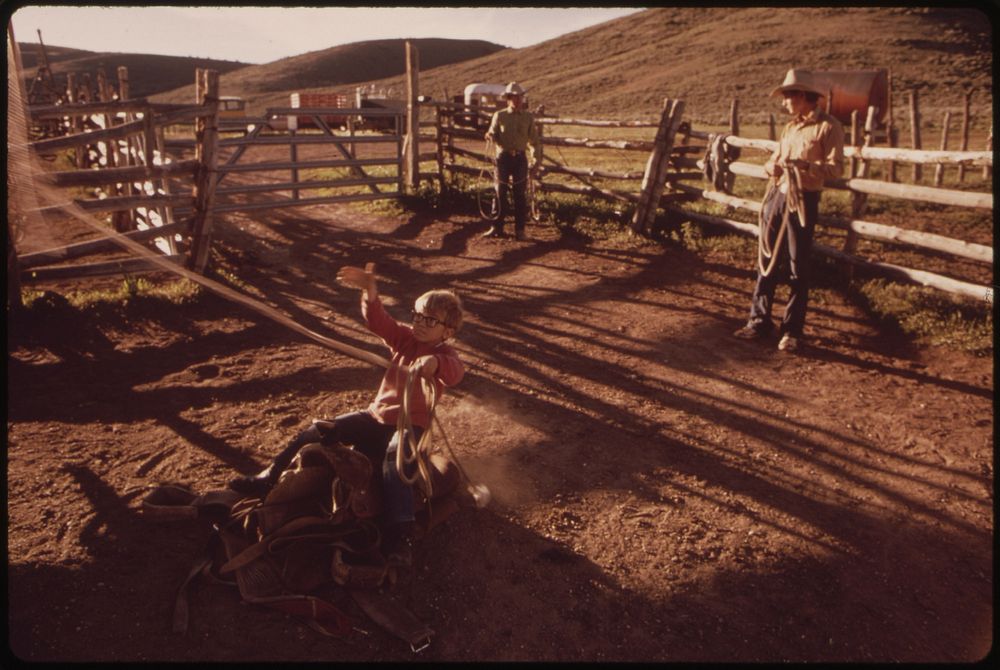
<point>263,34</point>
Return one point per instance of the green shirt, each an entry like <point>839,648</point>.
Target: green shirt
<point>513,130</point>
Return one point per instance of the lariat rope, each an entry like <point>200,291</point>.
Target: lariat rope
<point>793,202</point>
<point>409,450</point>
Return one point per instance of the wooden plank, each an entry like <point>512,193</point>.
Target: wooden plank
<point>91,137</point>
<point>302,202</point>
<point>592,172</point>
<point>127,266</point>
<point>653,180</point>
<point>103,244</point>
<point>607,194</point>
<point>110,175</point>
<point>916,192</point>
<point>868,229</point>
<point>968,158</point>
<point>915,130</point>
<point>271,140</point>
<point>939,168</point>
<point>899,272</point>
<point>304,185</point>
<point>87,108</point>
<point>123,203</point>
<point>303,165</point>
<point>207,154</point>
<point>411,165</point>
<point>624,145</point>
<point>558,121</point>
<point>965,132</point>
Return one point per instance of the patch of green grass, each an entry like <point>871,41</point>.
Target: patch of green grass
<point>931,316</point>
<point>132,294</point>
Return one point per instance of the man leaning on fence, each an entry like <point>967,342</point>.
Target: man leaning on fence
<point>513,130</point>
<point>810,152</point>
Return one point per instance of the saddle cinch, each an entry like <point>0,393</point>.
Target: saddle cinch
<point>315,529</point>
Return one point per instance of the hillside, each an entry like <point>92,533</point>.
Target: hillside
<point>148,74</point>
<point>708,56</point>
<point>625,67</point>
<point>337,68</point>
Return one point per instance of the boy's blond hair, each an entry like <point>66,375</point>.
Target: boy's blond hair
<point>445,302</point>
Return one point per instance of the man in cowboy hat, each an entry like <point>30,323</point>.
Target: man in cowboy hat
<point>810,151</point>
<point>513,130</point>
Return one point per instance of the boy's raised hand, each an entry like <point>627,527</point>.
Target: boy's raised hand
<point>355,277</point>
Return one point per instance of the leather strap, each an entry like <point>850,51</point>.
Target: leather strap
<point>384,610</point>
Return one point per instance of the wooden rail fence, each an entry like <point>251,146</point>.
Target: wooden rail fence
<point>669,165</point>
<point>121,149</point>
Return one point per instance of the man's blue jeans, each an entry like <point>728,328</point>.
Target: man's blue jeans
<point>793,262</point>
<point>512,172</point>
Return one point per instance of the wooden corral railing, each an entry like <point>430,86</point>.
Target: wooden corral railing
<point>660,156</point>
<point>860,188</point>
<point>671,167</point>
<point>120,152</point>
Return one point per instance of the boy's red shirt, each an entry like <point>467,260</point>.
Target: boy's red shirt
<point>405,349</point>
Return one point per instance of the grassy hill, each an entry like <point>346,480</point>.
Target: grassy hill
<point>708,56</point>
<point>148,74</point>
<point>625,67</point>
<point>338,68</point>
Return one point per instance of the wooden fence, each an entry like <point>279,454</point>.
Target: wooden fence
<point>127,160</point>
<point>671,166</point>
<point>146,190</point>
<point>118,145</point>
<point>860,188</point>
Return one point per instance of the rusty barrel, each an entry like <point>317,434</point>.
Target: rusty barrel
<point>852,90</point>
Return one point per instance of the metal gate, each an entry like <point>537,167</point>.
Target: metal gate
<point>333,155</point>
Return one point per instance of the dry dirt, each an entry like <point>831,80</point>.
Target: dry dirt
<point>662,491</point>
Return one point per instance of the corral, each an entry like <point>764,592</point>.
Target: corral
<point>663,493</point>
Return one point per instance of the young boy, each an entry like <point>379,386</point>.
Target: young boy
<point>437,316</point>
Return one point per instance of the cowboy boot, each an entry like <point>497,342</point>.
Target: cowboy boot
<point>259,484</point>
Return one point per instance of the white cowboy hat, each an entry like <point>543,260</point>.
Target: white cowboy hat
<point>513,88</point>
<point>801,80</point>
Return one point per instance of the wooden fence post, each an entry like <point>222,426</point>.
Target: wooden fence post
<point>654,179</point>
<point>412,157</point>
<point>915,132</point>
<point>859,201</point>
<point>18,156</point>
<point>891,133</point>
<point>293,157</point>
<point>965,132</point>
<point>771,131</point>
<point>855,141</point>
<point>75,125</point>
<point>939,169</point>
<point>124,93</point>
<point>206,133</point>
<point>439,146</point>
<point>989,147</point>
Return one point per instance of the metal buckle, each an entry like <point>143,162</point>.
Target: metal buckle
<point>426,643</point>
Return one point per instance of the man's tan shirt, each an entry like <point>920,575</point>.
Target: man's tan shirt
<point>817,138</point>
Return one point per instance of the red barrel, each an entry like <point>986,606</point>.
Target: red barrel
<point>852,90</point>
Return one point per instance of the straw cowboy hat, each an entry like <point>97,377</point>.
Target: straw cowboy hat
<point>513,88</point>
<point>801,80</point>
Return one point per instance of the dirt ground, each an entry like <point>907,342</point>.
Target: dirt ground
<point>661,491</point>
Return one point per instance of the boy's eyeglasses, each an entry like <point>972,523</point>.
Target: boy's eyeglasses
<point>425,319</point>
